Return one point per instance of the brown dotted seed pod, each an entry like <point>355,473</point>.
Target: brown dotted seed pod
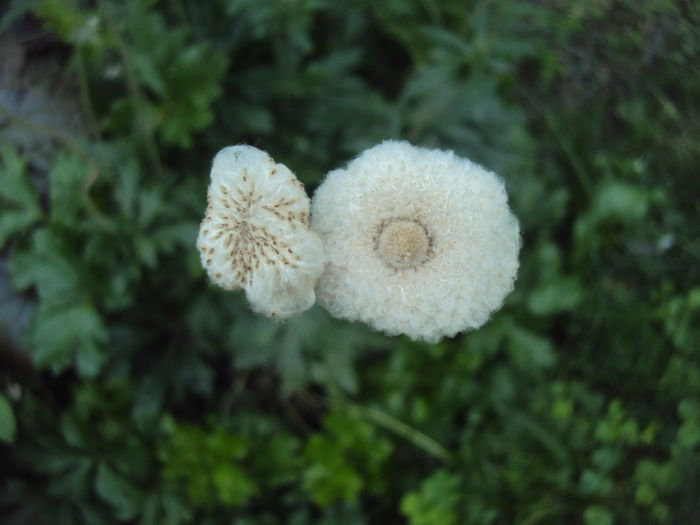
<point>245,231</point>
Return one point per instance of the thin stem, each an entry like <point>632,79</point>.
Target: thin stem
<point>387,422</point>
<point>85,95</point>
<point>400,428</point>
<point>181,13</point>
<point>229,397</point>
<point>74,146</point>
<point>565,145</point>
<point>136,94</point>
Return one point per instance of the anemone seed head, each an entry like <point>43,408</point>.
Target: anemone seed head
<point>256,233</point>
<point>419,242</point>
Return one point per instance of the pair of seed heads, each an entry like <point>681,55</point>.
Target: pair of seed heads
<point>406,239</point>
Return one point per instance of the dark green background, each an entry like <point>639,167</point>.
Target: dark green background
<point>132,391</point>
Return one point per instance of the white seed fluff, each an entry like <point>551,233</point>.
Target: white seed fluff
<point>256,233</point>
<point>419,242</point>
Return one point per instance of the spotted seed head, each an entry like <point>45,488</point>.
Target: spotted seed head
<point>256,233</point>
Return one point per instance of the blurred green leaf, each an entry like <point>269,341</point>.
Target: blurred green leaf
<point>118,492</point>
<point>530,350</point>
<point>67,177</point>
<point>66,324</point>
<point>435,502</point>
<point>559,295</point>
<point>341,464</point>
<point>8,425</point>
<point>205,465</point>
<point>597,515</point>
<point>17,196</point>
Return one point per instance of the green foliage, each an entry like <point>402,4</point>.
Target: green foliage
<point>435,502</point>
<point>8,425</point>
<point>204,461</point>
<point>66,325</point>
<point>18,198</point>
<point>154,398</point>
<point>343,461</point>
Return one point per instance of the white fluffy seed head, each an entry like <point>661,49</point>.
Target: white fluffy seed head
<point>256,233</point>
<point>419,242</point>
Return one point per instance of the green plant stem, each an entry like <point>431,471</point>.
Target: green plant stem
<point>559,135</point>
<point>229,397</point>
<point>74,146</point>
<point>400,428</point>
<point>142,128</point>
<point>85,95</point>
<point>389,423</point>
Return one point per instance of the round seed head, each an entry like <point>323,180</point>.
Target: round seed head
<point>420,242</point>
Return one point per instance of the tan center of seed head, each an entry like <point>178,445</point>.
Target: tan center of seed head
<point>403,243</point>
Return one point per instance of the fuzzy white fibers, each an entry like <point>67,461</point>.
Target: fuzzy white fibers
<point>419,242</point>
<point>256,233</point>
